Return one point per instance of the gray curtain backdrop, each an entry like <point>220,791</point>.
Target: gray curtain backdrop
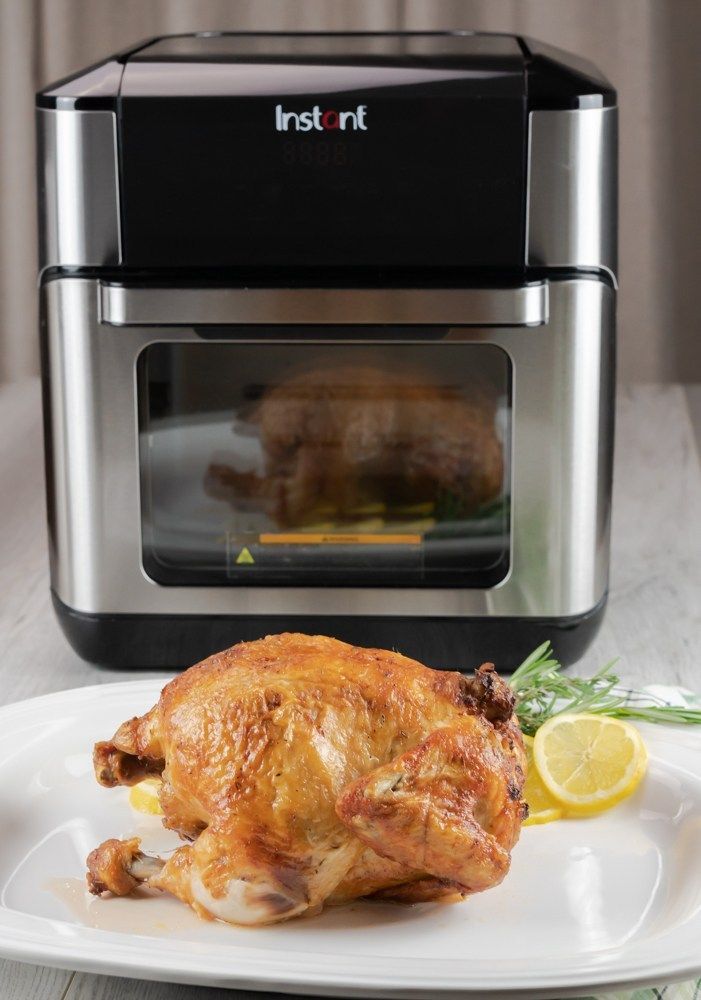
<point>649,49</point>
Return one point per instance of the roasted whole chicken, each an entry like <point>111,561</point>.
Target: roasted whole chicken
<point>339,438</point>
<point>306,771</point>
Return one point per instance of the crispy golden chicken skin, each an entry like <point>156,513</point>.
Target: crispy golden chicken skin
<point>307,771</point>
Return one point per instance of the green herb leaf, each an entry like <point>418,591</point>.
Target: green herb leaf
<point>542,690</point>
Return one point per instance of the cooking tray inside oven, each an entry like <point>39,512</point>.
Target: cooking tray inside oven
<point>192,535</point>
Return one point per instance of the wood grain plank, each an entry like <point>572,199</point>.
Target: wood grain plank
<point>89,987</point>
<point>32,982</point>
<point>653,621</point>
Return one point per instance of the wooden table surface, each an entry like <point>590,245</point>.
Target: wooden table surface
<point>653,620</point>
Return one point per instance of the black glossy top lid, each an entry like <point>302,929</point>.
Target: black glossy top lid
<point>330,47</point>
<point>186,65</point>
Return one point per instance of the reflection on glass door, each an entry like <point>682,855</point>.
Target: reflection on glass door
<point>328,465</point>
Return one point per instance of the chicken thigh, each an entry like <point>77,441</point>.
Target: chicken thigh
<point>306,771</point>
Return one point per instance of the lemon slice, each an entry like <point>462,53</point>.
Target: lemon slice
<point>589,762</point>
<point>542,807</point>
<point>144,797</point>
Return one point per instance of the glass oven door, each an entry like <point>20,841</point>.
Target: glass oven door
<point>325,463</point>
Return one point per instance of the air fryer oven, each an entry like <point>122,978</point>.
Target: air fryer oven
<point>328,338</point>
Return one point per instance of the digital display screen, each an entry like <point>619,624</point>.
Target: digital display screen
<point>300,152</point>
<point>432,180</point>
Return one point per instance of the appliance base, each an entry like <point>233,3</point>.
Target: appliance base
<point>176,641</point>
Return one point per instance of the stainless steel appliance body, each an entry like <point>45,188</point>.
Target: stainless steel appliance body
<point>157,380</point>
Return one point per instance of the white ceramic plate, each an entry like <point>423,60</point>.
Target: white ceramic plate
<point>588,905</point>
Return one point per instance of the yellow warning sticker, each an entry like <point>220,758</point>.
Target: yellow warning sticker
<point>244,558</point>
<point>303,538</point>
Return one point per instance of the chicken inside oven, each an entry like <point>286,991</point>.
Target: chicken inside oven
<point>343,445</point>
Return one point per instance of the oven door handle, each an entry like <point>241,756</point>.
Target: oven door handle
<point>130,305</point>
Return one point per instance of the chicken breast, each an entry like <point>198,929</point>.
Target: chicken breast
<point>304,771</point>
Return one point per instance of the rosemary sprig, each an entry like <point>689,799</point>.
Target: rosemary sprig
<point>542,690</point>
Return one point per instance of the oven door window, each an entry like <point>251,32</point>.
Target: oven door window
<point>325,465</point>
